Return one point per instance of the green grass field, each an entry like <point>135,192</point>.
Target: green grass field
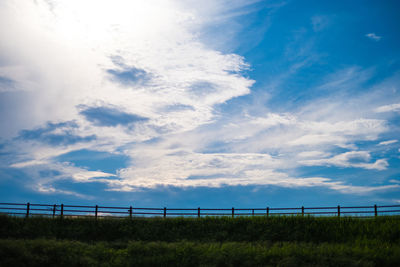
<point>209,241</point>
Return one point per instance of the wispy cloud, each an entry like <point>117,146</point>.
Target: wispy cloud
<point>46,189</point>
<point>388,142</point>
<point>373,36</point>
<point>353,159</point>
<point>388,108</point>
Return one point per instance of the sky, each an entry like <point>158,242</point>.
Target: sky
<point>213,103</point>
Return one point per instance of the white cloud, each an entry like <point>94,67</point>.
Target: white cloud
<point>154,37</point>
<point>354,159</point>
<point>373,36</point>
<point>313,133</point>
<point>242,175</point>
<point>191,170</point>
<point>369,128</point>
<point>87,175</point>
<point>318,139</point>
<point>388,108</point>
<point>388,142</point>
<point>161,167</point>
<point>55,79</point>
<point>350,189</point>
<point>46,189</point>
<point>28,163</point>
<point>251,177</point>
<point>64,170</point>
<point>273,119</point>
<point>313,154</point>
<point>43,174</point>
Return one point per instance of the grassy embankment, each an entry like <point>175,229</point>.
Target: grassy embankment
<point>258,241</point>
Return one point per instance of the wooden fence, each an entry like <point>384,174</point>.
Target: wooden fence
<point>62,210</point>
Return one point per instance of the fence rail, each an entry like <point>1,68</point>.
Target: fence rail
<point>61,210</point>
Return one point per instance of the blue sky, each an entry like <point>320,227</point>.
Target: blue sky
<point>200,103</point>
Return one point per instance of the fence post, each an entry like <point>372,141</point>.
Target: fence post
<point>130,212</point>
<point>267,211</point>
<point>28,205</point>
<point>54,210</point>
<point>198,212</point>
<point>233,212</point>
<point>376,210</point>
<point>338,210</point>
<point>62,211</point>
<point>95,212</point>
<point>302,210</point>
<point>252,212</point>
<point>165,212</point>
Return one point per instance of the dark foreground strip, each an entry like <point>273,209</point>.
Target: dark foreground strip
<point>73,253</point>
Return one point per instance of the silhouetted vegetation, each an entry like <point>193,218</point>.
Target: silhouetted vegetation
<point>208,229</point>
<point>43,252</point>
<point>210,241</point>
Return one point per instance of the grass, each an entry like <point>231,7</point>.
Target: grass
<point>137,253</point>
<point>208,229</point>
<point>209,241</point>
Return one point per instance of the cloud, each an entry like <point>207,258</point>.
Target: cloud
<point>187,169</point>
<point>44,176</point>
<point>352,159</point>
<point>350,189</point>
<point>313,154</point>
<point>46,189</point>
<point>389,142</point>
<point>373,36</point>
<point>154,43</point>
<point>176,108</point>
<point>193,170</point>
<point>108,116</point>
<point>184,168</point>
<point>274,119</point>
<point>88,175</point>
<point>29,163</point>
<point>388,108</point>
<point>313,133</point>
<point>143,59</point>
<point>318,139</point>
